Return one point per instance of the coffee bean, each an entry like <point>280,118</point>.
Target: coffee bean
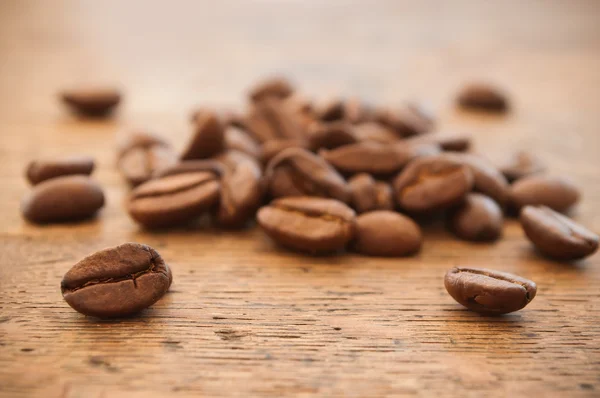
<point>208,139</point>
<point>330,135</point>
<point>45,169</point>
<point>487,179</point>
<point>283,122</point>
<point>489,292</point>
<point>375,132</point>
<point>174,199</point>
<point>447,141</point>
<point>373,158</point>
<point>431,183</point>
<point>239,140</point>
<point>479,218</point>
<point>297,172</point>
<point>556,235</point>
<point>139,164</point>
<point>274,87</point>
<point>521,164</point>
<point>558,193</point>
<point>117,282</point>
<point>192,166</point>
<point>67,198</point>
<point>272,148</point>
<point>331,110</point>
<point>308,224</point>
<point>482,96</point>
<point>241,192</point>
<point>405,121</point>
<point>368,194</point>
<point>357,111</point>
<point>137,139</point>
<point>386,233</point>
<point>91,101</point>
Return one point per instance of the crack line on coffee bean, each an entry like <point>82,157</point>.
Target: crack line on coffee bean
<point>182,189</point>
<point>326,217</point>
<point>429,175</point>
<point>572,232</point>
<point>499,277</point>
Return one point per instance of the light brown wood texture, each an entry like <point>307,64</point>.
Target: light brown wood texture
<point>243,317</point>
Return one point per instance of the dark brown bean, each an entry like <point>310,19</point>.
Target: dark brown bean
<point>271,148</point>
<point>487,179</point>
<point>556,235</point>
<point>330,135</point>
<point>386,233</point>
<point>558,193</point>
<point>405,121</point>
<point>521,164</point>
<point>368,194</point>
<point>374,158</point>
<point>192,166</point>
<point>117,282</point>
<point>140,164</point>
<point>297,172</point>
<point>331,110</point>
<point>174,199</point>
<point>489,292</point>
<point>482,96</point>
<point>273,87</point>
<point>67,198</point>
<point>478,218</point>
<point>241,192</point>
<point>237,139</point>
<point>45,169</point>
<point>138,139</point>
<point>431,183</point>
<point>92,101</point>
<point>308,224</point>
<point>208,139</point>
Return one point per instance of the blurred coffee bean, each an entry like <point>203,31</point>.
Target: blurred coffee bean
<point>308,224</point>
<point>191,166</point>
<point>372,131</point>
<point>521,164</point>
<point>271,148</point>
<point>273,87</point>
<point>66,198</point>
<point>431,183</point>
<point>556,235</point>
<point>404,121</point>
<point>447,141</point>
<point>297,172</point>
<point>368,194</point>
<point>386,233</point>
<point>238,139</point>
<point>92,101</point>
<point>208,138</point>
<point>482,96</point>
<point>478,218</point>
<point>330,135</point>
<point>558,193</point>
<point>45,169</point>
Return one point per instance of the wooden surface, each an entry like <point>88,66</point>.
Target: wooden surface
<point>245,318</point>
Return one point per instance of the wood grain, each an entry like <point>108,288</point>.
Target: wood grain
<point>245,318</point>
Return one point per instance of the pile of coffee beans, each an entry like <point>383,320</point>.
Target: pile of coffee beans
<point>318,178</point>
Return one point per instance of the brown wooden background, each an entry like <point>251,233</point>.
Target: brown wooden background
<point>245,318</point>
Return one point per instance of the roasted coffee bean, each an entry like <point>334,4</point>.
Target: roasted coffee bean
<point>331,110</point>
<point>478,218</point>
<point>386,233</point>
<point>308,224</point>
<point>558,193</point>
<point>431,183</point>
<point>371,131</point>
<point>45,169</point>
<point>117,282</point>
<point>227,117</point>
<point>258,126</point>
<point>357,111</point>
<point>274,87</point>
<point>242,191</point>
<point>284,122</point>
<point>271,148</point>
<point>140,164</point>
<point>482,96</point>
<point>299,104</point>
<point>192,166</point>
<point>374,158</point>
<point>297,172</point>
<point>521,164</point>
<point>137,139</point>
<point>67,198</point>
<point>487,179</point>
<point>368,194</point>
<point>239,140</point>
<point>447,141</point>
<point>91,101</point>
<point>208,139</point>
<point>489,292</point>
<point>404,121</point>
<point>330,135</point>
<point>556,235</point>
<point>174,199</point>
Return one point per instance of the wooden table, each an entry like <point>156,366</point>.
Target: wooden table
<point>245,318</point>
